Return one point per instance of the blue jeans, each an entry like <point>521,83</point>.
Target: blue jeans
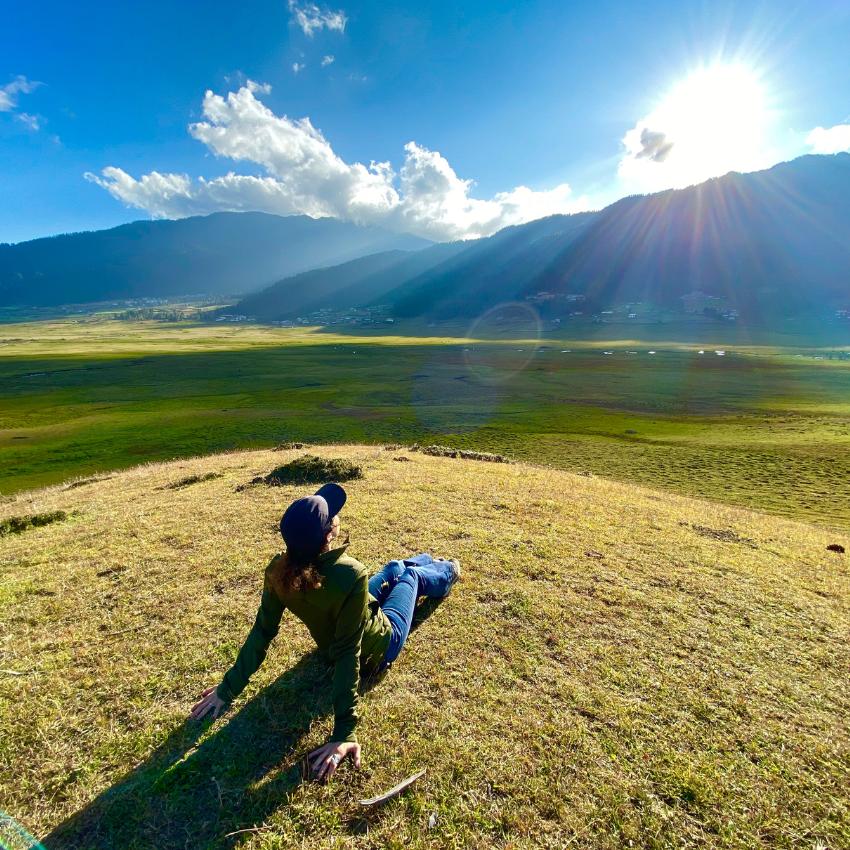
<point>397,587</point>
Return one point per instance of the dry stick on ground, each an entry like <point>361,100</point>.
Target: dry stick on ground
<point>397,789</point>
<point>249,829</point>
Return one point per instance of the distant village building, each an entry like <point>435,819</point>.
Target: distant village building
<point>545,295</point>
<point>699,302</point>
<point>540,297</point>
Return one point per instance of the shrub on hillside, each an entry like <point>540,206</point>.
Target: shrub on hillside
<point>310,469</point>
<point>19,524</point>
<point>464,454</point>
<point>189,480</point>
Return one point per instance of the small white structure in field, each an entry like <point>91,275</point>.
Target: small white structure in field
<point>701,351</point>
<point>652,352</point>
<point>720,352</point>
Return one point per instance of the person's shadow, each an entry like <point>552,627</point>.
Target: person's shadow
<point>185,795</point>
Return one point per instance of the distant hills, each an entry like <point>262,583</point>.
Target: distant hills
<point>771,243</point>
<point>443,280</point>
<point>767,244</point>
<point>219,254</point>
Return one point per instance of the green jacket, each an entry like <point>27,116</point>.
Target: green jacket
<point>350,629</point>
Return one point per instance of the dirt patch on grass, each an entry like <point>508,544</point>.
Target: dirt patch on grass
<point>20,524</point>
<point>288,445</point>
<point>361,414</point>
<point>724,534</point>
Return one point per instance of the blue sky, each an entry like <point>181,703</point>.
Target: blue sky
<point>544,106</point>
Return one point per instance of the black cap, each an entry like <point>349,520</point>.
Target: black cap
<point>306,521</point>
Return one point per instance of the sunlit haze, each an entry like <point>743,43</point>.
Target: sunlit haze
<point>715,120</point>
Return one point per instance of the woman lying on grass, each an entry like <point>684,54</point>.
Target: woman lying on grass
<point>359,624</point>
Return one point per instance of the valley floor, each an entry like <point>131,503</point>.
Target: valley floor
<point>762,426</point>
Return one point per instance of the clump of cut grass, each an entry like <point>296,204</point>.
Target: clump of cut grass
<point>189,480</point>
<point>288,445</point>
<point>310,469</point>
<point>463,454</point>
<point>20,524</point>
<point>82,482</point>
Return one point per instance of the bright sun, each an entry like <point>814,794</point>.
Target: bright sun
<point>713,121</point>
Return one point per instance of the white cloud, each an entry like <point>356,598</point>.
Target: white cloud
<point>31,121</point>
<point>312,18</point>
<point>327,60</point>
<point>9,101</point>
<point>9,96</point>
<point>305,175</point>
<point>297,67</point>
<point>829,139</point>
<point>9,93</point>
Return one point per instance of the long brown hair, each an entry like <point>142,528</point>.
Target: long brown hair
<point>287,575</point>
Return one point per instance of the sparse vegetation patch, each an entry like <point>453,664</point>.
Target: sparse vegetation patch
<point>288,445</point>
<point>189,480</point>
<point>20,524</point>
<point>310,469</point>
<point>463,454</point>
<point>724,534</point>
<point>82,482</point>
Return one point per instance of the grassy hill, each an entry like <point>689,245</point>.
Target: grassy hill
<point>619,667</point>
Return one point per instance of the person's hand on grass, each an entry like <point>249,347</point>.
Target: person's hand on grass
<point>209,702</point>
<point>326,759</point>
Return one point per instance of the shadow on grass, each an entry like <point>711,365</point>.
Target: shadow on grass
<point>187,795</point>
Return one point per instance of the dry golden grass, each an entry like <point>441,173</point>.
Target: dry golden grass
<point>685,689</point>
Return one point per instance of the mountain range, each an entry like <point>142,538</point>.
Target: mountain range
<point>219,254</point>
<point>767,244</point>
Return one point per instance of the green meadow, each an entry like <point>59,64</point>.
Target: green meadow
<point>764,425</point>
